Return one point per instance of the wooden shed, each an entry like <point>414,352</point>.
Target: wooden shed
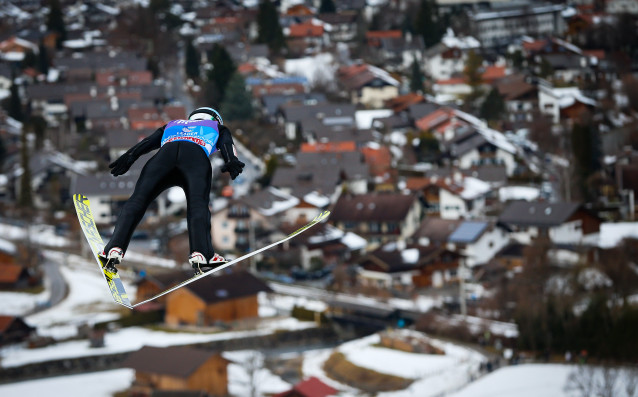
<point>153,284</point>
<point>178,369</point>
<point>224,298</point>
<point>14,330</point>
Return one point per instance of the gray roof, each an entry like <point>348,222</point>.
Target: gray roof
<point>101,61</point>
<point>539,214</point>
<point>55,92</point>
<point>240,52</point>
<point>420,110</point>
<point>124,139</point>
<point>340,134</point>
<point>437,230</point>
<point>177,361</point>
<point>320,172</point>
<point>329,112</point>
<point>468,231</point>
<point>271,103</point>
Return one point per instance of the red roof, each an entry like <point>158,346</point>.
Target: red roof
<point>402,102</point>
<point>299,9</point>
<point>10,273</point>
<point>434,119</point>
<point>311,387</point>
<point>493,72</point>
<point>246,68</point>
<point>5,322</point>
<point>379,159</point>
<point>328,147</point>
<point>383,34</point>
<point>306,29</point>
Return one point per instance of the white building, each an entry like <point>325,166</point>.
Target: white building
<point>502,24</point>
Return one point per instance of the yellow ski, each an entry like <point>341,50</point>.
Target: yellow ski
<point>85,216</point>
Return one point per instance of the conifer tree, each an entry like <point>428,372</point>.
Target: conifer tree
<point>14,108</point>
<point>327,7</point>
<point>416,78</point>
<point>43,59</point>
<point>192,61</point>
<point>55,21</point>
<point>237,104</point>
<point>427,23</point>
<point>493,107</point>
<point>223,69</point>
<point>269,28</point>
<point>25,199</point>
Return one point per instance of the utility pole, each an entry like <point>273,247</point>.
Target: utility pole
<point>462,272</point>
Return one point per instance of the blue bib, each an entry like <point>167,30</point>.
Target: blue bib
<point>204,133</point>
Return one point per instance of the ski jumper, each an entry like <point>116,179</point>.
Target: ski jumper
<point>182,160</point>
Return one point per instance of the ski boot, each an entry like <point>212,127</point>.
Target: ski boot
<point>113,258</point>
<point>199,264</point>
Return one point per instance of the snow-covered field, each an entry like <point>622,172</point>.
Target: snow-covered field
<point>89,302</point>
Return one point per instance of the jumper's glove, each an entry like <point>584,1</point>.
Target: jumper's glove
<point>121,165</point>
<point>234,167</point>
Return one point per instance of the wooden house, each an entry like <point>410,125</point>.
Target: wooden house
<point>565,223</point>
<point>14,330</point>
<point>401,267</point>
<point>311,387</point>
<point>178,369</point>
<point>153,284</point>
<point>378,217</point>
<point>367,85</point>
<point>13,276</point>
<point>224,298</point>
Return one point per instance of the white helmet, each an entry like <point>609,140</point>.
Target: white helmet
<point>205,113</point>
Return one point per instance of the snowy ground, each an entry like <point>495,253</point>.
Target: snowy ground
<point>435,375</point>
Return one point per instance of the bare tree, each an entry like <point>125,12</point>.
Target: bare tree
<point>581,381</point>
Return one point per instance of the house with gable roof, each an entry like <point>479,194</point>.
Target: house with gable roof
<point>378,217</point>
<point>563,102</point>
<point>563,223</point>
<point>520,96</point>
<point>227,297</point>
<point>367,85</point>
<point>478,241</point>
<point>323,172</point>
<point>449,56</point>
<point>403,267</point>
<point>178,369</point>
<point>307,37</point>
<point>15,48</point>
<point>292,114</point>
<point>152,284</point>
<point>14,330</point>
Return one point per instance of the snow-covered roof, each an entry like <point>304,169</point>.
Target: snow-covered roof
<point>464,43</point>
<point>316,199</point>
<point>8,247</point>
<point>283,202</point>
<point>528,193</point>
<point>364,118</point>
<point>567,96</point>
<point>383,75</point>
<point>473,188</point>
<point>494,137</point>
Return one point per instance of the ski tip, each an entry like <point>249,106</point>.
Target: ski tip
<point>322,216</point>
<point>79,197</point>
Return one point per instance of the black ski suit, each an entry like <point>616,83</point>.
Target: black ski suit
<point>177,163</point>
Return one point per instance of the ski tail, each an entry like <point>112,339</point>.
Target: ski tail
<point>87,223</point>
